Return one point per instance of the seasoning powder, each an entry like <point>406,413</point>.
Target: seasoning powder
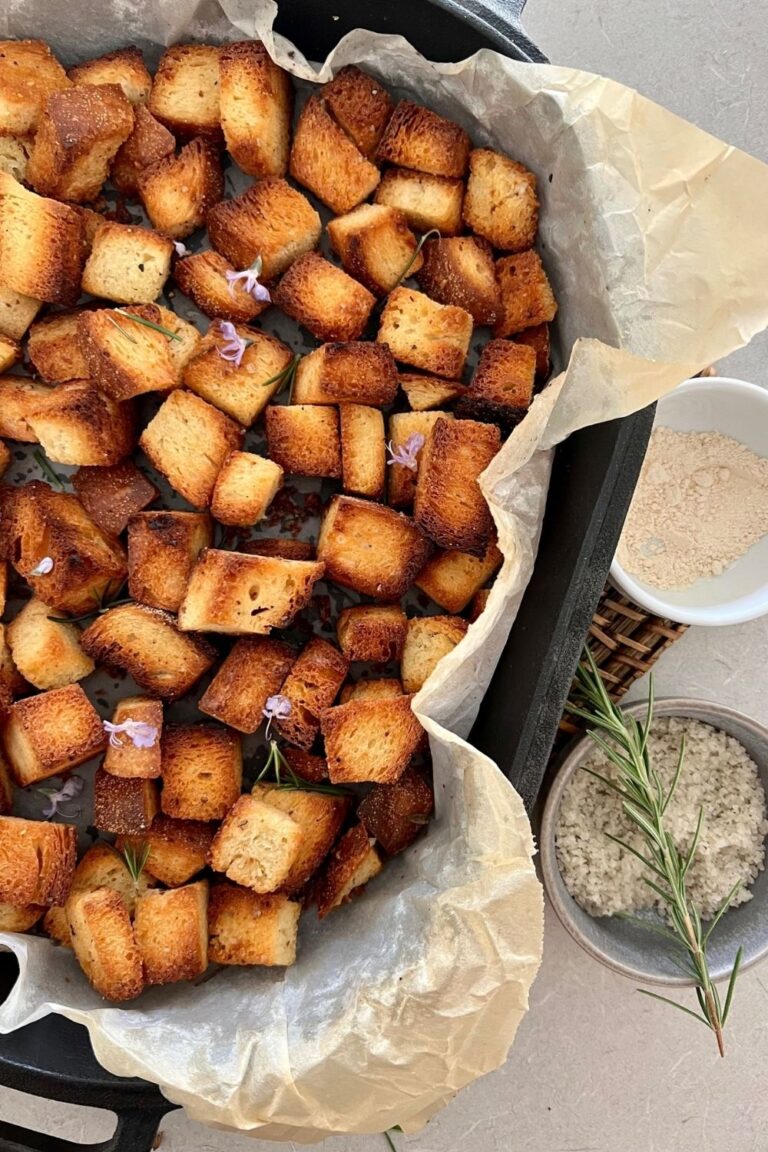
<point>701,502</point>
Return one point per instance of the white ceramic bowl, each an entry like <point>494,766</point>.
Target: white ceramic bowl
<point>740,410</point>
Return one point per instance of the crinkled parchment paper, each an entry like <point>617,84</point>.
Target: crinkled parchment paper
<point>653,233</point>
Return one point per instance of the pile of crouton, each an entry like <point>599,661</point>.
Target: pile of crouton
<point>429,241</point>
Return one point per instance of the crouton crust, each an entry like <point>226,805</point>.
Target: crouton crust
<point>162,551</point>
<point>372,632</point>
<point>311,686</point>
<point>452,578</point>
<point>370,548</point>
<point>323,298</point>
<point>171,930</point>
<point>380,689</point>
<point>538,339</point>
<point>185,91</point>
<point>6,786</point>
<point>41,245</point>
<point>303,439</point>
<point>124,67</point>
<point>395,814</point>
<point>37,861</point>
<point>54,349</point>
<point>376,246</point>
<point>123,804</point>
<point>29,74</point>
<point>449,506</point>
<point>348,869</point>
<point>320,819</point>
<point>271,220</point>
<point>248,928</point>
<point>178,849</point>
<point>81,425</point>
<point>123,757</point>
<point>256,107</point>
<point>325,160</point>
<point>253,671</point>
<point>426,201</point>
<point>257,845</point>
<point>355,372</point>
<point>501,391</point>
<point>460,270</point>
<point>360,105</point>
<point>104,943</point>
<point>112,495</point>
<point>149,142</point>
<point>48,734</point>
<point>370,739</point>
<point>286,547</point>
<point>202,277</point>
<point>526,296</point>
<point>178,190</point>
<point>501,202</point>
<point>416,137</point>
<point>429,638</point>
<point>419,331</point>
<point>202,768</point>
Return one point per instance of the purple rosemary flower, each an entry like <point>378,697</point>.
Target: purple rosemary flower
<point>181,249</point>
<point>58,796</point>
<point>43,567</point>
<point>406,454</point>
<point>234,346</point>
<point>140,734</point>
<point>250,278</point>
<point>277,708</point>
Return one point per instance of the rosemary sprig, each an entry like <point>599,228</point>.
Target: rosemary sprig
<point>414,258</point>
<point>46,469</point>
<point>120,329</point>
<point>147,324</point>
<point>645,801</point>
<point>284,376</point>
<point>278,764</point>
<point>135,859</point>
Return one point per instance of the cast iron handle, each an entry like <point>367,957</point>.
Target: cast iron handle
<point>135,1132</point>
<point>496,19</point>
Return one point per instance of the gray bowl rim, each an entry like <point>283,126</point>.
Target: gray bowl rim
<point>572,757</point>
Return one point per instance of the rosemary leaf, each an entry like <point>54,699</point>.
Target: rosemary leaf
<point>120,329</point>
<point>674,1003</point>
<point>414,258</point>
<point>46,469</point>
<point>147,324</point>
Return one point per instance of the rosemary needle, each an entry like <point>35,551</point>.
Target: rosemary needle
<point>46,469</point>
<point>147,324</point>
<point>277,762</point>
<point>415,256</point>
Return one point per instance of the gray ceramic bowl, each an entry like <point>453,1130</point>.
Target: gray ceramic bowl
<point>622,945</point>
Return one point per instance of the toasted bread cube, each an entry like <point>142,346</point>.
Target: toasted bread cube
<point>16,311</point>
<point>369,548</point>
<point>186,339</point>
<point>101,867</point>
<point>202,772</point>
<point>147,644</point>
<point>325,160</point>
<point>149,142</point>
<point>310,687</point>
<point>41,247</point>
<point>37,861</point>
<point>163,548</point>
<point>449,506</point>
<point>171,930</point>
<point>538,339</point>
<point>18,398</point>
<point>256,106</point>
<point>10,352</point>
<point>501,202</point>
<point>460,270</point>
<point>348,869</point>
<point>6,786</point>
<point>306,765</point>
<point>304,439</point>
<point>185,428</point>
<point>139,760</point>
<point>54,349</point>
<point>327,301</point>
<point>248,928</point>
<point>178,849</point>
<point>257,845</point>
<point>376,246</point>
<point>29,73</point>
<point>270,220</point>
<point>241,390</point>
<point>3,587</point>
<point>80,424</point>
<point>12,683</point>
<point>14,155</point>
<point>56,926</point>
<point>19,919</point>
<point>526,295</point>
<point>370,739</point>
<point>383,689</point>
<point>453,578</point>
<point>239,595</point>
<point>112,495</point>
<point>177,191</point>
<point>428,335</point>
<point>426,392</point>
<point>372,632</point>
<point>360,105</point>
<point>320,819</point>
<point>185,91</point>
<point>123,804</point>
<point>124,67</point>
<point>286,547</point>
<point>425,201</point>
<point>356,372</point>
<point>104,943</point>
<point>46,653</point>
<point>478,604</point>
<point>244,489</point>
<point>501,391</point>
<point>429,639</point>
<point>253,671</point>
<point>5,457</point>
<point>126,358</point>
<point>416,137</point>
<point>203,277</point>
<point>127,263</point>
<point>404,427</point>
<point>394,814</point>
<point>363,452</point>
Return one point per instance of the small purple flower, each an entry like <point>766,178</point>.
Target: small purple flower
<point>250,278</point>
<point>58,796</point>
<point>277,708</point>
<point>43,567</point>
<point>234,346</point>
<point>181,249</point>
<point>140,734</point>
<point>406,454</point>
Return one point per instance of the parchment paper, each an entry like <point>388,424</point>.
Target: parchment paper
<point>653,234</point>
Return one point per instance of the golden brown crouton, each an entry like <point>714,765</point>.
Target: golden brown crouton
<point>80,424</point>
<point>348,869</point>
<point>408,432</point>
<point>178,849</point>
<point>19,919</point>
<point>102,937</point>
<point>428,335</point>
<point>127,263</point>
<point>253,671</point>
<point>383,689</point>
<point>304,439</point>
<point>363,452</point>
<point>202,771</point>
<point>394,814</point>
<point>502,385</point>
<point>357,372</point>
<point>29,73</point>
<point>10,352</point>
<point>124,67</point>
<point>370,739</point>
<point>171,930</point>
<point>360,105</point>
<point>310,687</point>
<point>147,644</point>
<point>320,819</point>
<point>241,390</point>
<point>270,220</point>
<point>478,604</point>
<point>186,429</point>
<point>14,155</point>
<point>41,246</point>
<point>3,586</point>
<point>238,594</point>
<point>46,653</point>
<point>501,202</point>
<point>305,764</point>
<point>416,137</point>
<point>369,548</point>
<point>141,758</point>
<point>460,271</point>
<point>244,489</point>
<point>426,201</point>
<point>54,349</point>
<point>162,551</point>
<point>112,495</point>
<point>256,106</point>
<point>538,339</point>
<point>123,804</point>
<point>18,398</point>
<point>248,928</point>
<point>177,191</point>
<point>16,311</point>
<point>56,926</point>
<point>257,845</point>
<point>449,506</point>
<point>125,357</point>
<point>374,632</point>
<point>37,861</point>
<point>452,578</point>
<point>149,142</point>
<point>526,296</point>
<point>185,91</point>
<point>202,277</point>
<point>104,867</point>
<point>325,160</point>
<point>376,246</point>
<point>327,301</point>
<point>12,683</point>
<point>5,457</point>
<point>429,639</point>
<point>426,392</point>
<point>286,547</point>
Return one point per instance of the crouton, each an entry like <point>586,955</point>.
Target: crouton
<point>19,919</point>
<point>125,357</point>
<point>452,578</point>
<point>248,928</point>
<point>500,203</point>
<point>41,249</point>
<point>178,849</point>
<point>353,862</point>
<point>12,683</point>
<point>56,926</point>
<point>147,644</point>
<point>369,548</point>
<point>185,91</point>
<point>5,457</point>
<point>238,594</point>
<point>187,337</point>
<point>270,220</point>
<point>29,73</point>
<point>127,263</point>
<point>186,429</point>
<point>449,506</point>
<point>286,547</point>
<point>357,372</point>
<point>306,765</point>
<point>46,653</point>
<point>3,582</point>
<point>429,639</point>
<point>112,495</point>
<point>202,771</point>
<point>526,296</point>
<point>104,944</point>
<point>416,137</point>
<point>460,270</point>
<point>501,391</point>
<point>256,106</point>
<point>80,424</point>
<point>104,867</point>
<point>171,930</point>
<point>149,142</point>
<point>18,398</point>
<point>478,604</point>
<point>203,277</point>
<point>10,352</point>
<point>163,548</point>
<point>325,160</point>
<point>138,758</point>
<point>327,301</point>
<point>370,739</point>
<point>16,311</point>
<point>37,861</point>
<point>244,489</point>
<point>177,191</point>
<point>304,439</point>
<point>425,201</point>
<point>425,334</point>
<point>80,131</point>
<point>124,67</point>
<point>360,105</point>
<point>363,452</point>
<point>383,689</point>
<point>310,687</point>
<point>123,804</point>
<point>54,349</point>
<point>253,671</point>
<point>320,819</point>
<point>257,845</point>
<point>372,632</point>
<point>426,392</point>
<point>394,814</point>
<point>14,155</point>
<point>241,390</point>
<point>538,339</point>
<point>376,246</point>
<point>404,429</point>
<point>6,787</point>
